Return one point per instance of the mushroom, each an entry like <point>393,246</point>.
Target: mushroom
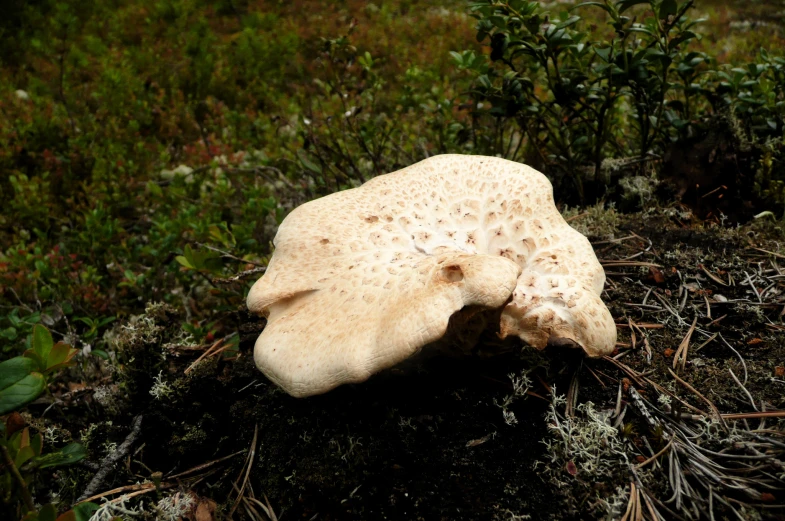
<point>365,278</point>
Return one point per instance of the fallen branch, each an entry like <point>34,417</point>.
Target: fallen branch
<point>108,463</point>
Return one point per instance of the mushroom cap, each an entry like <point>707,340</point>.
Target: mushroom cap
<point>363,279</point>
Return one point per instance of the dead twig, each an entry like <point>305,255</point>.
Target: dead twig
<point>240,276</point>
<point>133,490</point>
<point>108,463</point>
<point>228,255</point>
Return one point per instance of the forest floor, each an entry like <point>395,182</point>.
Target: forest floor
<point>700,360</point>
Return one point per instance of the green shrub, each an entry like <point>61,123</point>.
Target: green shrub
<point>573,97</point>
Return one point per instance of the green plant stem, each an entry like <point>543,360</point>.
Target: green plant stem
<point>28,499</point>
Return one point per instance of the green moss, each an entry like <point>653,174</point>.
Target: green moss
<point>599,221</point>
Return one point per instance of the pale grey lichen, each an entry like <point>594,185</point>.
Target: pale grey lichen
<point>161,388</point>
<point>175,506</point>
<point>583,449</point>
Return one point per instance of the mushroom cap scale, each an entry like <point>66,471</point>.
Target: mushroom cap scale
<point>362,279</point>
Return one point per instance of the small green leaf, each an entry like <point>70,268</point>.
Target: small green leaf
<point>8,333</point>
<point>603,53</point>
<point>221,233</point>
<point>154,189</point>
<point>68,455</point>
<point>81,512</point>
<point>683,37</point>
<point>13,370</point>
<point>280,213</point>
<point>23,455</point>
<point>184,262</point>
<point>60,355</point>
<point>100,353</point>
<point>106,321</point>
<point>302,155</point>
<point>37,443</point>
<point>42,341</point>
<point>568,22</point>
<point>21,392</point>
<point>39,364</point>
<point>47,512</point>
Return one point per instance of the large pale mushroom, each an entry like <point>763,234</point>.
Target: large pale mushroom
<point>365,278</point>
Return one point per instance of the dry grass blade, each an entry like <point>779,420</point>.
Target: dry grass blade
<point>630,503</point>
<point>643,326</point>
<point>654,458</point>
<point>611,241</point>
<point>266,507</point>
<point>112,459</point>
<point>250,503</point>
<point>714,410</point>
<point>707,342</point>
<point>753,415</point>
<point>136,490</point>
<point>246,470</point>
<point>216,348</point>
<point>622,264</point>
<point>778,255</point>
<point>572,392</point>
<point>712,276</point>
<point>634,375</point>
<point>680,358</point>
<point>743,388</point>
<point>653,512</point>
<point>634,511</point>
<point>203,466</point>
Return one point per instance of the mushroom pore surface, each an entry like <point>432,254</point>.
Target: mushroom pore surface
<point>362,279</point>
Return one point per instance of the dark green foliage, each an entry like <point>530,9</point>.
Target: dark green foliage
<point>22,380</point>
<point>574,98</point>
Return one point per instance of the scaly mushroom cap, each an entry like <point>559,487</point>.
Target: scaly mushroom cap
<point>362,279</point>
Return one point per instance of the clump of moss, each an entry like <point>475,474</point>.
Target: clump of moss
<point>594,221</point>
<point>138,345</point>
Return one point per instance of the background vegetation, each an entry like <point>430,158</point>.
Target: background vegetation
<point>148,150</point>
